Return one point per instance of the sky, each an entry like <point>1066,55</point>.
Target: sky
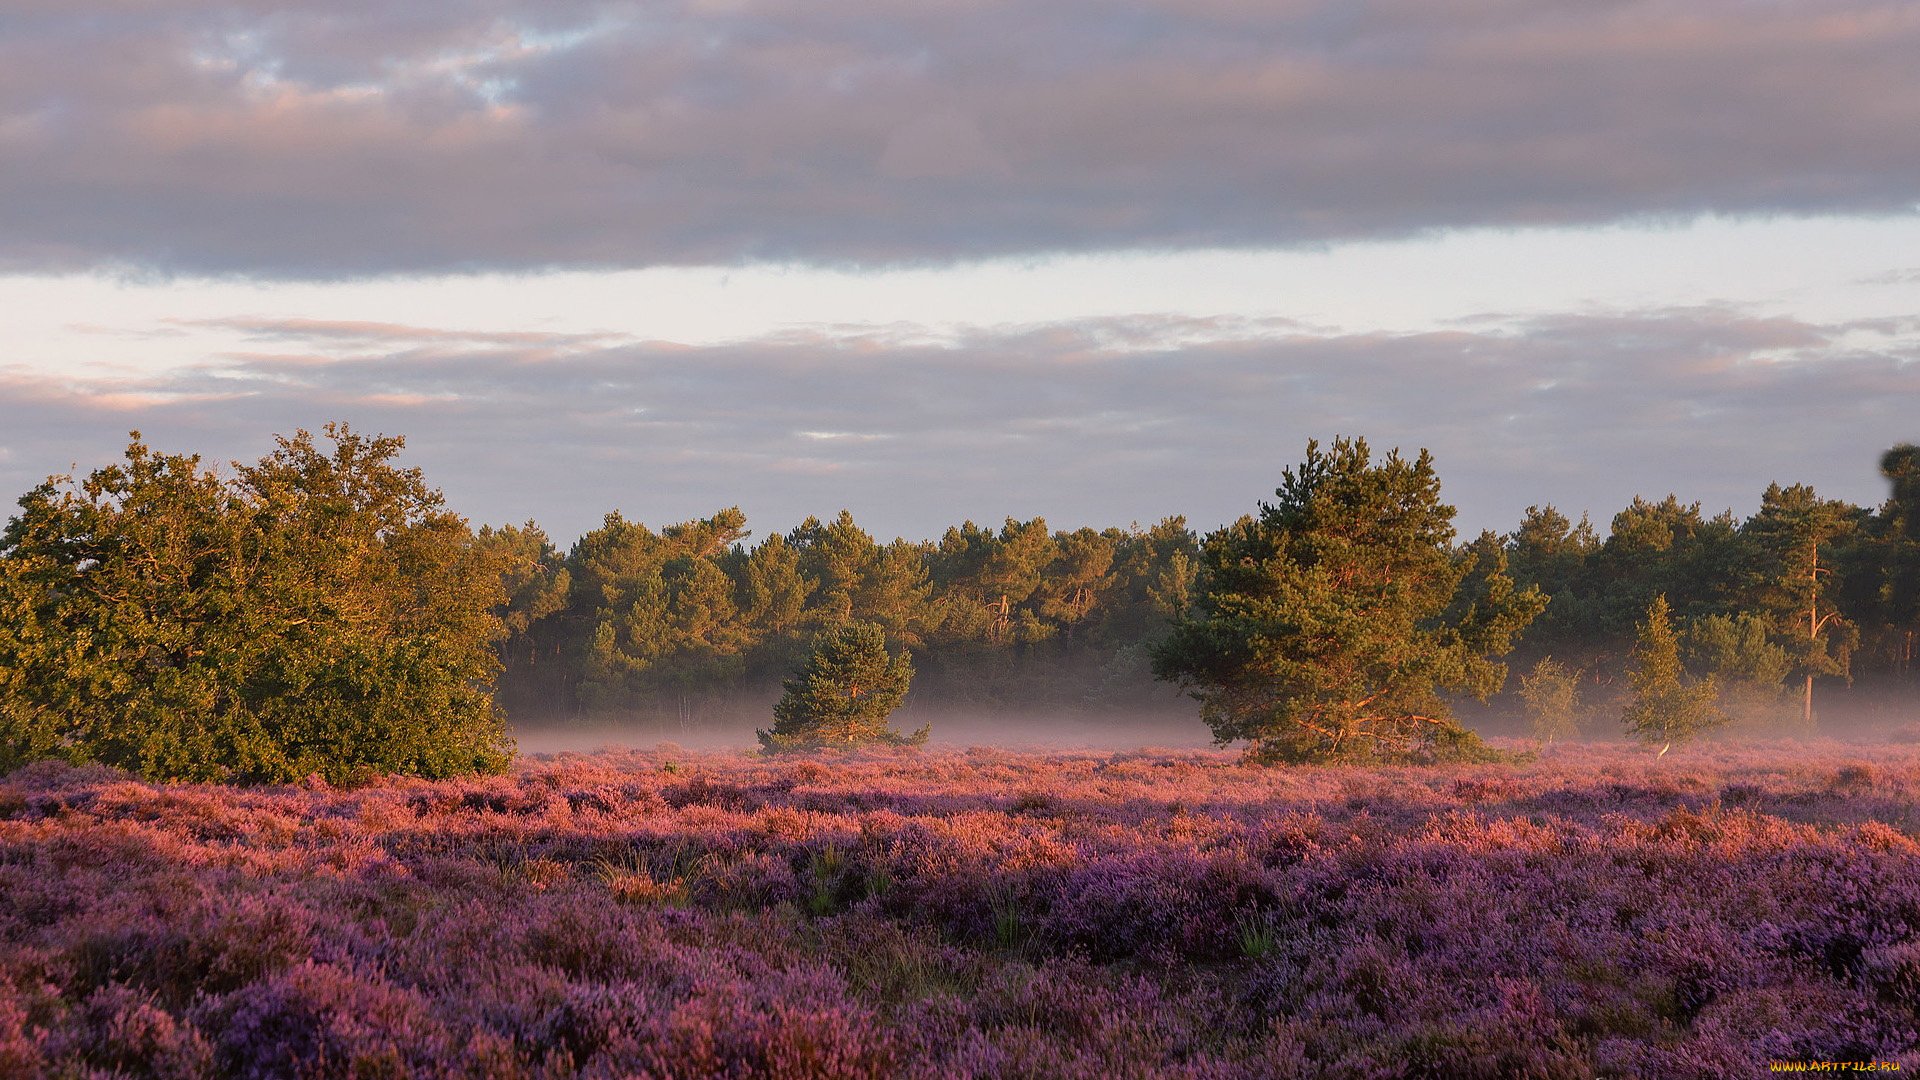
<point>934,261</point>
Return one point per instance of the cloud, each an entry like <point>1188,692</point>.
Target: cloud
<point>1098,421</point>
<point>1894,277</point>
<point>299,140</point>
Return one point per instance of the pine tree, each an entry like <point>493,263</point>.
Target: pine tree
<point>1792,532</point>
<point>1330,626</point>
<point>843,694</point>
<point>1666,707</point>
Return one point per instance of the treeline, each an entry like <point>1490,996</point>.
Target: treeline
<point>1806,592</point>
<point>322,611</point>
<point>630,618</point>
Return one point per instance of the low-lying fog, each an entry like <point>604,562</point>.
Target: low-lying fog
<point>1164,722</point>
<point>1038,730</point>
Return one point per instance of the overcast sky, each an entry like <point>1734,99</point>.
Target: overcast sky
<point>1099,262</point>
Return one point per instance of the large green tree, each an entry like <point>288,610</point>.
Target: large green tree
<point>1792,534</point>
<point>1553,552</point>
<point>1334,624</point>
<point>320,611</point>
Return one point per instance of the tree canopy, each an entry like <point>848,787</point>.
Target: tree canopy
<point>1332,625</point>
<point>320,611</point>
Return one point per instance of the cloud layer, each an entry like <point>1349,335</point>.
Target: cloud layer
<point>304,140</point>
<point>1090,422</point>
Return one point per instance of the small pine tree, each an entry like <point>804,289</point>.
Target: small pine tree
<point>1666,706</point>
<point>1551,693</point>
<point>843,694</point>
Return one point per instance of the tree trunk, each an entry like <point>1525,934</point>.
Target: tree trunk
<point>1813,630</point>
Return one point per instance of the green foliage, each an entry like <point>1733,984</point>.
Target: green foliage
<point>648,614</point>
<point>1330,626</point>
<point>1736,648</point>
<point>1551,694</point>
<point>1790,586</point>
<point>317,612</point>
<point>1552,553</point>
<point>1257,936</point>
<point>649,619</point>
<point>1666,706</point>
<point>635,619</point>
<point>535,579</point>
<point>844,693</point>
<point>1666,548</point>
<point>1750,669</point>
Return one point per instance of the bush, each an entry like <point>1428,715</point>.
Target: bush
<point>843,694</point>
<point>1551,693</point>
<point>314,613</point>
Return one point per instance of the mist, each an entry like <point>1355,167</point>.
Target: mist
<point>1163,719</point>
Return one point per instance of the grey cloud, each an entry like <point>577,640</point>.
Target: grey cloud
<point>1893,277</point>
<point>321,140</point>
<point>1092,422</point>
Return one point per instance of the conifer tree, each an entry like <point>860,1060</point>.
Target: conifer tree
<point>1793,531</point>
<point>1666,707</point>
<point>1330,626</point>
<point>843,694</point>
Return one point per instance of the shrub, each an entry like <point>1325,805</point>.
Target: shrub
<point>1551,693</point>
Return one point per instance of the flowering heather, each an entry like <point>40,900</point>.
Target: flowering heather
<point>987,913</point>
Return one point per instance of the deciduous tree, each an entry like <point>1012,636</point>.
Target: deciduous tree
<point>320,611</point>
<point>1550,691</point>
<point>1666,706</point>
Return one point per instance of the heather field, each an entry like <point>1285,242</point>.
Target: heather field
<point>972,913</point>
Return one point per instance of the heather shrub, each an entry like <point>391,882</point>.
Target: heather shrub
<point>210,943</point>
<point>1853,779</point>
<point>894,964</point>
<point>324,1021</point>
<point>1172,914</point>
<point>748,882</point>
<point>123,1033</point>
<point>22,1047</point>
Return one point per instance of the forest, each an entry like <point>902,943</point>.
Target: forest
<point>1807,599</point>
